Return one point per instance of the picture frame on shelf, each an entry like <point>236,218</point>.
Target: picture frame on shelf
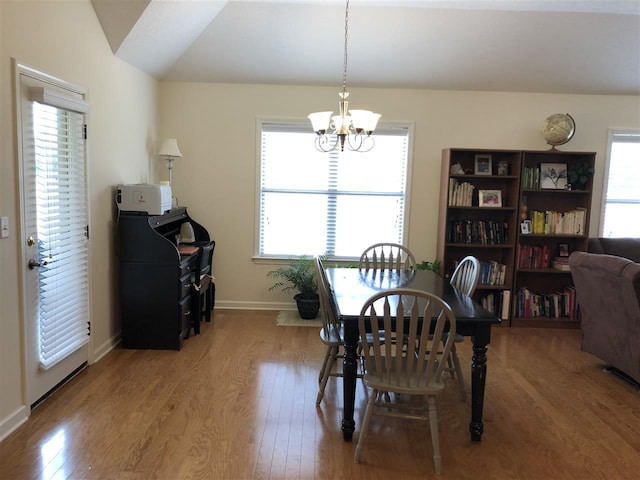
<point>563,249</point>
<point>489,198</point>
<point>525,227</point>
<point>553,176</point>
<point>503,168</point>
<point>482,164</point>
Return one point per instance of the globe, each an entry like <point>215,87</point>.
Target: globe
<point>559,129</point>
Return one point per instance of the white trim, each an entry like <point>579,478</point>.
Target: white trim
<point>57,99</point>
<point>13,421</point>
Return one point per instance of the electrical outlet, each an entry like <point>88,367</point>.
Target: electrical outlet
<point>4,227</point>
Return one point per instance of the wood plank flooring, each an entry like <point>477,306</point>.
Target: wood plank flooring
<point>238,402</point>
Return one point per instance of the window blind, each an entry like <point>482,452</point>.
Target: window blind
<point>60,197</point>
<point>336,203</point>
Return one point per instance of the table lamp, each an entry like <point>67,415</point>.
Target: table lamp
<point>170,151</point>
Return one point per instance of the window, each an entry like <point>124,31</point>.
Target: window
<point>336,203</point>
<point>621,206</point>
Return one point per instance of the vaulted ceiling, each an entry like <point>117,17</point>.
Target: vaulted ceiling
<point>549,46</point>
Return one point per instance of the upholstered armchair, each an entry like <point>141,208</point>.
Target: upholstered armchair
<point>608,293</point>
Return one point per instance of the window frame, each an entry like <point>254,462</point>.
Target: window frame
<point>612,133</point>
<point>297,124</point>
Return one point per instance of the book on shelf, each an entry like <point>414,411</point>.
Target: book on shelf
<point>492,273</point>
<point>460,194</point>
<point>506,301</point>
<point>533,256</point>
<point>497,303</point>
<point>571,222</point>
<point>487,232</point>
<point>561,263</point>
<point>556,304</point>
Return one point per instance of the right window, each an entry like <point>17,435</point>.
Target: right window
<point>621,206</point>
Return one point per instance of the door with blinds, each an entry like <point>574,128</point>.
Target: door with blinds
<point>54,218</point>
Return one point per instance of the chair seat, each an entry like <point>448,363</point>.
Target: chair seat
<point>404,383</point>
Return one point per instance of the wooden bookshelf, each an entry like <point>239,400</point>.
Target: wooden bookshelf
<point>500,248</point>
<point>563,214</point>
<point>524,188</point>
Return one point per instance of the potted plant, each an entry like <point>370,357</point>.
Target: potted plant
<point>299,275</point>
<point>433,266</point>
<point>579,174</point>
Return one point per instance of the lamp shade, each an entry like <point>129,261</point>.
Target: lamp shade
<point>320,121</point>
<point>170,148</point>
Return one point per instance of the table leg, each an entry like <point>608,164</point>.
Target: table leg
<point>478,375</point>
<point>349,372</point>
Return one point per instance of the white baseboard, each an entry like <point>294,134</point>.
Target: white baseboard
<point>106,347</point>
<point>13,421</point>
<point>231,305</point>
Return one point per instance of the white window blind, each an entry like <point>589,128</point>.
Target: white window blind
<point>336,203</point>
<point>59,175</point>
<point>622,186</point>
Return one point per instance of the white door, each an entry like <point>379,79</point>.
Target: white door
<point>54,218</point>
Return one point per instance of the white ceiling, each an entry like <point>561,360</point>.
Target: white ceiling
<point>549,46</point>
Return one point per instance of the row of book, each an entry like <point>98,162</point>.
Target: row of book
<point>571,222</point>
<point>558,304</point>
<point>534,256</point>
<point>531,177</point>
<point>538,256</point>
<point>480,231</point>
<point>460,194</point>
<point>492,273</point>
<point>498,303</point>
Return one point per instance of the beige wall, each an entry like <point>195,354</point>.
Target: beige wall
<point>65,39</point>
<point>216,129</point>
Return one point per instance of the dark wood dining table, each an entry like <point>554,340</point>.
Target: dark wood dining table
<point>351,287</point>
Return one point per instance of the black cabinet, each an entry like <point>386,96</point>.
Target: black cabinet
<point>155,279</point>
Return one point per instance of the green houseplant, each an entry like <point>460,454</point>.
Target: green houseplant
<point>299,275</point>
<point>579,174</point>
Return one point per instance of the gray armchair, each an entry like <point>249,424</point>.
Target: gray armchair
<point>608,293</point>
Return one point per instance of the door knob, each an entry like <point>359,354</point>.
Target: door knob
<point>34,263</point>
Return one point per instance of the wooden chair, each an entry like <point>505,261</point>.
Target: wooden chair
<point>203,286</point>
<point>412,374</point>
<point>387,256</point>
<point>330,333</point>
<point>465,278</point>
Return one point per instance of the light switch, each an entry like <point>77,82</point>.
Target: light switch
<point>4,227</point>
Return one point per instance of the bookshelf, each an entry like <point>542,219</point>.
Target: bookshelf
<point>478,215</point>
<point>558,213</point>
<point>532,185</point>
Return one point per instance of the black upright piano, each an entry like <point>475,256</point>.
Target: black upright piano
<point>155,279</point>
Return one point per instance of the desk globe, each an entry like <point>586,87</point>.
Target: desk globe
<point>558,129</point>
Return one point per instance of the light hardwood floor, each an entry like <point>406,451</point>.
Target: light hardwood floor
<point>238,402</point>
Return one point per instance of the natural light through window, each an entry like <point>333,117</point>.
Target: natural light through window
<point>336,203</point>
<point>622,186</point>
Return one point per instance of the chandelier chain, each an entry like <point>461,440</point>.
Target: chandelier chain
<point>346,39</point>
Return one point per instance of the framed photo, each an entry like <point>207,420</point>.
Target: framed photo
<point>482,165</point>
<point>563,249</point>
<point>525,227</point>
<point>553,176</point>
<point>503,167</point>
<point>489,198</point>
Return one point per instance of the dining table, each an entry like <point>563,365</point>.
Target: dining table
<point>351,287</point>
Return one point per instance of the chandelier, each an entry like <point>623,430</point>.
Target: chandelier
<point>351,127</point>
